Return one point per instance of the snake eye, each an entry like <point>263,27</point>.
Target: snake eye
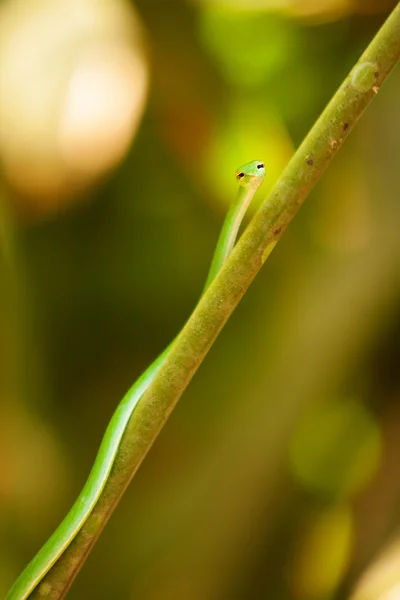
<point>260,166</point>
<point>240,175</point>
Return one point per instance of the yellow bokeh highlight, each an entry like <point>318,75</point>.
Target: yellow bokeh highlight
<point>381,581</point>
<point>323,553</point>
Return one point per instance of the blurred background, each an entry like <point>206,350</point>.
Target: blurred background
<point>121,126</point>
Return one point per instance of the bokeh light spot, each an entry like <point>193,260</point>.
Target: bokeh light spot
<point>73,83</point>
<point>102,107</point>
<point>323,553</point>
<point>336,448</point>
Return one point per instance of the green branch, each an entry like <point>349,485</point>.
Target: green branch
<point>265,229</point>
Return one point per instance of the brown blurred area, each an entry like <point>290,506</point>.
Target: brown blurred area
<point>121,126</point>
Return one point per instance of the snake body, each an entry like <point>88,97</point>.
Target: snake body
<point>249,178</point>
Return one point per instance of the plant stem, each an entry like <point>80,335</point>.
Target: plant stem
<point>202,328</point>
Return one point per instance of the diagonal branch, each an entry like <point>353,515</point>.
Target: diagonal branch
<point>207,320</point>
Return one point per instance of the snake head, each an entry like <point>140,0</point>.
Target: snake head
<point>251,173</point>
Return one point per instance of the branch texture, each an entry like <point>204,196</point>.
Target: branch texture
<point>201,330</point>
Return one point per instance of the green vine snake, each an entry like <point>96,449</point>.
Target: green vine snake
<point>249,177</point>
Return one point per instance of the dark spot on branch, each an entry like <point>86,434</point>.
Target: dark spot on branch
<point>376,74</point>
<point>310,160</point>
<point>277,231</point>
<point>345,126</point>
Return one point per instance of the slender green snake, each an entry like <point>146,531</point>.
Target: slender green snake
<point>249,176</point>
